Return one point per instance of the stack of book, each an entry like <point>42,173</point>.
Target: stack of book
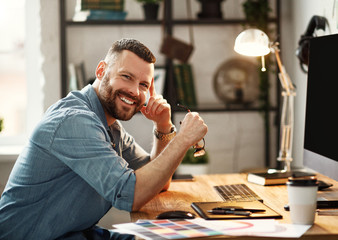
<point>104,9</point>
<point>115,5</point>
<point>275,178</point>
<point>185,87</point>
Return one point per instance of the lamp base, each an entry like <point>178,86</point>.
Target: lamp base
<point>275,177</point>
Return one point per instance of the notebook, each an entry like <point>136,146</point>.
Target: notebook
<point>202,209</point>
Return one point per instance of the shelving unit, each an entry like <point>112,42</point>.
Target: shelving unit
<point>170,24</point>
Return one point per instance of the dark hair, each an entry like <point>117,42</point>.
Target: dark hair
<point>132,45</point>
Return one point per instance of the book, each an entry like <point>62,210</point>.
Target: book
<point>276,178</point>
<point>179,84</point>
<point>202,209</point>
<point>106,15</point>
<point>115,5</point>
<point>188,85</point>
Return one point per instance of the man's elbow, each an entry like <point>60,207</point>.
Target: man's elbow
<point>137,205</point>
<point>136,208</point>
<point>166,187</point>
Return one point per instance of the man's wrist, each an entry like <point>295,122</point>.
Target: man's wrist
<point>165,136</point>
<point>163,126</point>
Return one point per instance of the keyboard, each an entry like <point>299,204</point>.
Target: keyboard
<point>237,193</point>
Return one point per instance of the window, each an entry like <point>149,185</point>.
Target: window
<point>13,90</point>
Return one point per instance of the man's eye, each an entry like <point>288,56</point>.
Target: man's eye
<point>126,76</point>
<point>144,85</point>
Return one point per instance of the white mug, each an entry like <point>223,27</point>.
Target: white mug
<point>302,194</point>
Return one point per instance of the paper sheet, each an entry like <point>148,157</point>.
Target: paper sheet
<point>265,228</point>
<point>173,229</point>
<point>167,229</point>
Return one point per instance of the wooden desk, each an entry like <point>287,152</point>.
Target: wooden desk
<point>181,194</point>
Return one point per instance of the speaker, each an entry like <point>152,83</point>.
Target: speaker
<point>302,52</point>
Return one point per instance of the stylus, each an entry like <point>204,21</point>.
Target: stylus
<point>239,209</point>
<point>224,212</point>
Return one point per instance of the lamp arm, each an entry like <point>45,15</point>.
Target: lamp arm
<point>284,78</point>
<point>287,117</point>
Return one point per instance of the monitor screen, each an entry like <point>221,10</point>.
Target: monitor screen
<point>321,118</point>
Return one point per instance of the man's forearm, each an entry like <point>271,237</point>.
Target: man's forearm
<point>151,178</point>
<point>158,146</point>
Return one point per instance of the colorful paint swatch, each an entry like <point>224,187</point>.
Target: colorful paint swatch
<point>174,229</point>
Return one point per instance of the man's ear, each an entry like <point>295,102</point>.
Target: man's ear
<point>100,70</point>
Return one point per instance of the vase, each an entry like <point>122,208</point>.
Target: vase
<point>150,11</point>
<point>210,9</point>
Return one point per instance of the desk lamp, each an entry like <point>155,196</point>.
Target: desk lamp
<point>255,43</point>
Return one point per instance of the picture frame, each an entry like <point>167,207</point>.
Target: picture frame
<point>159,80</point>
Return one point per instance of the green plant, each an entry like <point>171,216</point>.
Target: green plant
<point>257,13</point>
<point>190,159</point>
<point>1,124</point>
<point>149,1</point>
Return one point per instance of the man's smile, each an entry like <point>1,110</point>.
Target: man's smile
<point>126,100</point>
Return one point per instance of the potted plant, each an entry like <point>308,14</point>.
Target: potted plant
<point>194,165</point>
<point>150,8</point>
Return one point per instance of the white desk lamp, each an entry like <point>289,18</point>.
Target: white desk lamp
<point>255,43</point>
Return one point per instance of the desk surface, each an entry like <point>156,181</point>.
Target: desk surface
<point>181,194</point>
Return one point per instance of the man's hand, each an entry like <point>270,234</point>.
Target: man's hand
<point>158,110</point>
<point>192,129</point>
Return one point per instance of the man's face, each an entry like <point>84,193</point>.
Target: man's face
<point>124,87</point>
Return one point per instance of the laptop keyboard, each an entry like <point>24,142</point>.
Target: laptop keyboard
<point>237,193</point>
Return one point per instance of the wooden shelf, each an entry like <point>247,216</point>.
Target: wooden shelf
<point>213,21</point>
<point>159,22</point>
<point>113,22</point>
<point>223,108</point>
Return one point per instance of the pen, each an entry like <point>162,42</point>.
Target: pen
<point>253,210</point>
<point>234,212</point>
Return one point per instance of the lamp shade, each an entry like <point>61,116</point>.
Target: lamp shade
<point>252,42</point>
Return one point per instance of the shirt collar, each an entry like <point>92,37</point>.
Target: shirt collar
<point>95,103</point>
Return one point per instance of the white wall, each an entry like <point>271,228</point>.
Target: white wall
<point>33,59</point>
<point>297,15</point>
<point>42,47</point>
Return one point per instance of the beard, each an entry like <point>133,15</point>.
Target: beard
<point>109,98</point>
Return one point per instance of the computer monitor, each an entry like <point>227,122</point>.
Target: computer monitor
<point>321,121</point>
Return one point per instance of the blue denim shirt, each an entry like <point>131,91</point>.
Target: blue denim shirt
<point>73,170</point>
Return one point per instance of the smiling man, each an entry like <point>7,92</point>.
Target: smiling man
<point>79,161</point>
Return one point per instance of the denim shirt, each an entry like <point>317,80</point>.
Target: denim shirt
<point>73,170</point>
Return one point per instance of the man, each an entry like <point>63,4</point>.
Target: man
<point>80,162</point>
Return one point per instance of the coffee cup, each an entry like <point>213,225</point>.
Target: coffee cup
<point>302,193</point>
